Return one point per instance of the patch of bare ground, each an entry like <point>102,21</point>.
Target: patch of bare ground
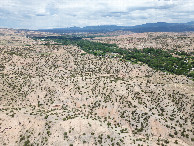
<point>162,40</point>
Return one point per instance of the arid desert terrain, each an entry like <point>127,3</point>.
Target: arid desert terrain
<point>58,95</point>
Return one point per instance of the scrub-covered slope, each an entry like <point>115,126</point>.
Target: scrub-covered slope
<point>58,95</point>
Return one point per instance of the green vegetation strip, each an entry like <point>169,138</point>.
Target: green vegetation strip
<point>155,58</point>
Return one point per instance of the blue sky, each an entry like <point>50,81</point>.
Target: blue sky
<point>38,14</point>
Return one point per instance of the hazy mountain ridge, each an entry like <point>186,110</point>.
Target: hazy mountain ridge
<point>148,27</point>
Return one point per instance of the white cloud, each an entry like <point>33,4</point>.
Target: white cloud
<point>63,13</point>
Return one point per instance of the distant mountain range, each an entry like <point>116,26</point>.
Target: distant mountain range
<point>148,27</point>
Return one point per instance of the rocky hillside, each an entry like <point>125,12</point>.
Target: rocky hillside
<point>59,95</point>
